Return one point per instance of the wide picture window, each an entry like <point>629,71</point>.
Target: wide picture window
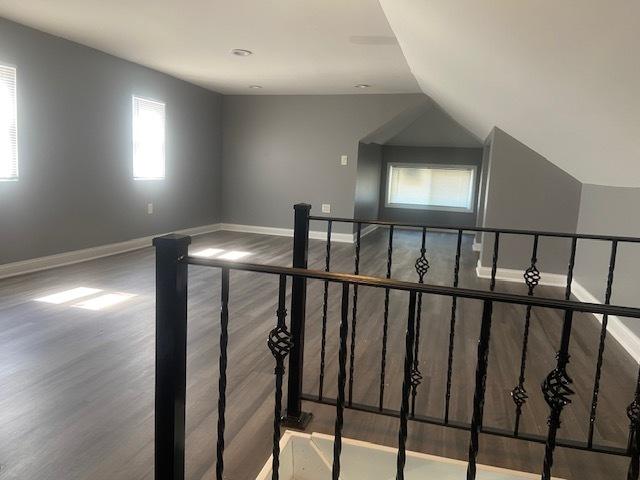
<point>432,187</point>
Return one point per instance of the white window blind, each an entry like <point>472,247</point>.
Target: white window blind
<point>148,139</point>
<point>437,187</point>
<point>8,124</point>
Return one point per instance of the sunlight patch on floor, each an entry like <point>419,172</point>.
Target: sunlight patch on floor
<point>220,254</point>
<point>104,301</point>
<point>68,295</point>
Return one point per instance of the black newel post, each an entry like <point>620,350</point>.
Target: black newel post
<point>171,355</point>
<point>294,416</point>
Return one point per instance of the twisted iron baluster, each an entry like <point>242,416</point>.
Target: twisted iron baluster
<point>633,446</point>
<point>385,325</point>
<point>480,387</point>
<point>494,261</point>
<point>452,329</point>
<point>342,374</point>
<point>422,267</point>
<point>556,390</point>
<point>325,303</point>
<point>407,383</point>
<point>603,336</point>
<point>222,381</point>
<point>354,312</point>
<point>519,393</point>
<point>279,342</point>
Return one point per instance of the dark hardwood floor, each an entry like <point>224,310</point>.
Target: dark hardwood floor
<point>76,386</point>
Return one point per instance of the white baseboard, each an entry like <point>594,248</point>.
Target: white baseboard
<point>511,275</point>
<point>366,231</point>
<point>288,232</point>
<point>78,256</point>
<point>615,327</point>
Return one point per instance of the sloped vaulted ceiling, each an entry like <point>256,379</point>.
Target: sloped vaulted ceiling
<point>562,76</point>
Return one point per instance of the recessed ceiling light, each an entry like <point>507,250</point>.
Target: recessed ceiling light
<point>362,85</point>
<point>255,86</point>
<point>240,52</point>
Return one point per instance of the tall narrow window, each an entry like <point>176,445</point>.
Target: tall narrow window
<point>148,139</point>
<point>8,124</point>
<point>435,187</point>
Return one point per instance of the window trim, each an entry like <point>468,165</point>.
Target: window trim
<point>15,178</point>
<point>164,150</point>
<point>440,166</point>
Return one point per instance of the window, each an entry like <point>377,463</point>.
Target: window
<point>8,124</point>
<point>435,187</point>
<point>148,139</point>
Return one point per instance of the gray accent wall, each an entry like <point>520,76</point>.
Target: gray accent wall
<point>76,188</point>
<point>526,191</point>
<point>368,181</point>
<point>283,149</point>
<point>610,211</point>
<point>432,155</point>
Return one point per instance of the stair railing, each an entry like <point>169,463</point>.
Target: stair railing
<point>531,277</point>
<point>172,262</point>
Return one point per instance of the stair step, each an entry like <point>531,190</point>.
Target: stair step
<point>310,457</point>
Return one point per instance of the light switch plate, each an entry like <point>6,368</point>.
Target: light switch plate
<point>150,208</point>
<point>326,208</point>
<point>344,159</point>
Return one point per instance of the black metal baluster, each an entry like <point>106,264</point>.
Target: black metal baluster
<point>407,383</point>
<point>354,318</point>
<point>222,381</point>
<point>572,262</point>
<point>633,446</point>
<point>603,337</point>
<point>480,387</point>
<point>452,329</point>
<point>556,390</point>
<point>385,325</point>
<point>323,345</point>
<point>280,343</point>
<point>494,261</point>
<point>422,267</point>
<point>519,393</point>
<point>342,375</point>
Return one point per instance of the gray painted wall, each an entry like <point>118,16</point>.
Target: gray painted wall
<point>283,149</point>
<point>526,191</point>
<point>610,211</point>
<point>368,181</point>
<point>437,155</point>
<point>435,128</point>
<point>74,125</point>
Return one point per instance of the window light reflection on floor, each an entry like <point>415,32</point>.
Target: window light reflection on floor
<point>68,295</point>
<point>219,253</point>
<point>207,252</point>
<point>233,255</point>
<point>104,301</point>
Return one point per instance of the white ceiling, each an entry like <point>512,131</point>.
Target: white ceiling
<point>300,47</point>
<point>562,76</point>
